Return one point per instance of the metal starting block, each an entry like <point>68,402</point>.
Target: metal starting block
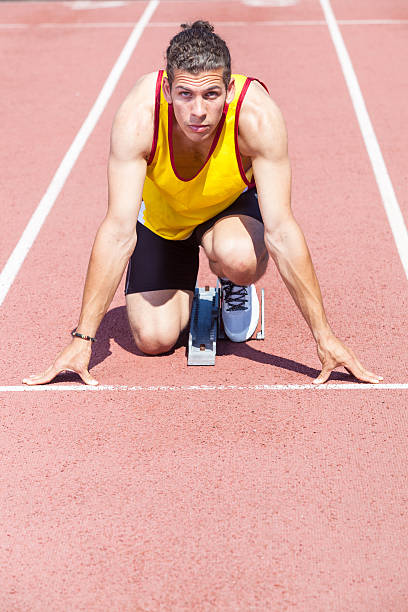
<point>206,325</point>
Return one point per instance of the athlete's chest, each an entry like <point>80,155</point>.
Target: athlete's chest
<point>189,160</point>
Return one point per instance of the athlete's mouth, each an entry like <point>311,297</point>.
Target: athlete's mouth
<point>198,128</point>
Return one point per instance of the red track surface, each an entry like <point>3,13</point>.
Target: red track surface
<point>204,500</point>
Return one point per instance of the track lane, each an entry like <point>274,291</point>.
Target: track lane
<point>204,504</point>
<point>40,123</point>
<point>175,12</point>
<point>385,88</point>
<point>322,201</point>
<point>370,9</point>
<point>36,13</point>
<point>219,501</point>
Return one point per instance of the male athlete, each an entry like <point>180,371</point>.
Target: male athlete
<point>188,147</point>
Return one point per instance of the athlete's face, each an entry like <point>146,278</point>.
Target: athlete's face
<point>198,101</point>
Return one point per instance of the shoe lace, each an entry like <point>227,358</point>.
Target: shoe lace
<point>234,296</point>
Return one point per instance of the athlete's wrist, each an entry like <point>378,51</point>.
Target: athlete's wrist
<point>81,345</point>
<point>323,335</point>
<point>76,334</point>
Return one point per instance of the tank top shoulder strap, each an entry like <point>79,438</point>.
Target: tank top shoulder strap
<point>244,83</point>
<point>156,116</point>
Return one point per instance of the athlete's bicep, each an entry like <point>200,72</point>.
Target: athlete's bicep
<point>273,182</point>
<point>265,132</point>
<point>131,141</point>
<point>125,184</point>
<point>263,138</point>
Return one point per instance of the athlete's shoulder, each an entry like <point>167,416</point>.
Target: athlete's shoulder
<point>261,124</point>
<point>133,125</point>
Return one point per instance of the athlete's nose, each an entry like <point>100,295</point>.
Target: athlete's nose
<point>198,110</point>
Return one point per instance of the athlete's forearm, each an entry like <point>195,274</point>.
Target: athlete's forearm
<point>110,254</point>
<point>288,248</point>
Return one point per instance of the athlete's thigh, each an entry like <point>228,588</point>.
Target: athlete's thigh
<point>237,228</point>
<point>160,281</point>
<point>239,233</point>
<point>158,264</point>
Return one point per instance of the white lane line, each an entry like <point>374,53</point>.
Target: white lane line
<point>175,24</point>
<point>326,387</point>
<point>90,24</point>
<point>158,24</point>
<point>392,209</point>
<point>372,21</point>
<point>292,22</point>
<point>86,5</point>
<point>33,227</point>
<point>14,26</point>
<point>270,3</point>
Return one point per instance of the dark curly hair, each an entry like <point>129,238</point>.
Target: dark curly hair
<point>196,48</point>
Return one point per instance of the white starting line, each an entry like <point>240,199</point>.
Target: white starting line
<point>169,388</point>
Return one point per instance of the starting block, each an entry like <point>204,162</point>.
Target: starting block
<point>206,325</point>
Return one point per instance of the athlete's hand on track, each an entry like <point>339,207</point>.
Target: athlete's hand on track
<point>74,358</point>
<point>333,354</point>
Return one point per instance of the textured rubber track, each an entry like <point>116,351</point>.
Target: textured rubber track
<point>205,500</point>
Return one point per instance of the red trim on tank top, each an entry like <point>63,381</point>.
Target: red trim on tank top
<point>156,117</point>
<point>237,153</point>
<point>211,151</point>
<point>238,109</point>
<point>263,84</point>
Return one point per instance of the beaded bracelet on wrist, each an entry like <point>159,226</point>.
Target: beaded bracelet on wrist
<point>76,334</point>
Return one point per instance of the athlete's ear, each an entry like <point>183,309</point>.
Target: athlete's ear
<point>167,90</point>
<point>230,91</point>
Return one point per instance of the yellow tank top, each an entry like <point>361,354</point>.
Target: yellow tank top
<point>172,206</point>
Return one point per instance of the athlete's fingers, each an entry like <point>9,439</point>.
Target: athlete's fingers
<point>323,376</point>
<point>362,374</point>
<point>53,371</point>
<point>366,373</point>
<point>363,370</point>
<point>375,375</point>
<point>370,378</point>
<point>87,378</point>
<point>45,377</point>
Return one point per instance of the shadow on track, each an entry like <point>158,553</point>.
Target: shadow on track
<point>115,326</point>
<point>247,350</point>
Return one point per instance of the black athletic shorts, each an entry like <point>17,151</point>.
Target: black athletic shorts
<point>158,263</point>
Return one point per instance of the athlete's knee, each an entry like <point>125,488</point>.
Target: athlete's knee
<point>238,260</point>
<point>238,253</point>
<point>154,342</point>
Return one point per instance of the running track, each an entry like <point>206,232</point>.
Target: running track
<point>203,489</point>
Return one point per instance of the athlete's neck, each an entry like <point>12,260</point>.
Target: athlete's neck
<point>183,144</point>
